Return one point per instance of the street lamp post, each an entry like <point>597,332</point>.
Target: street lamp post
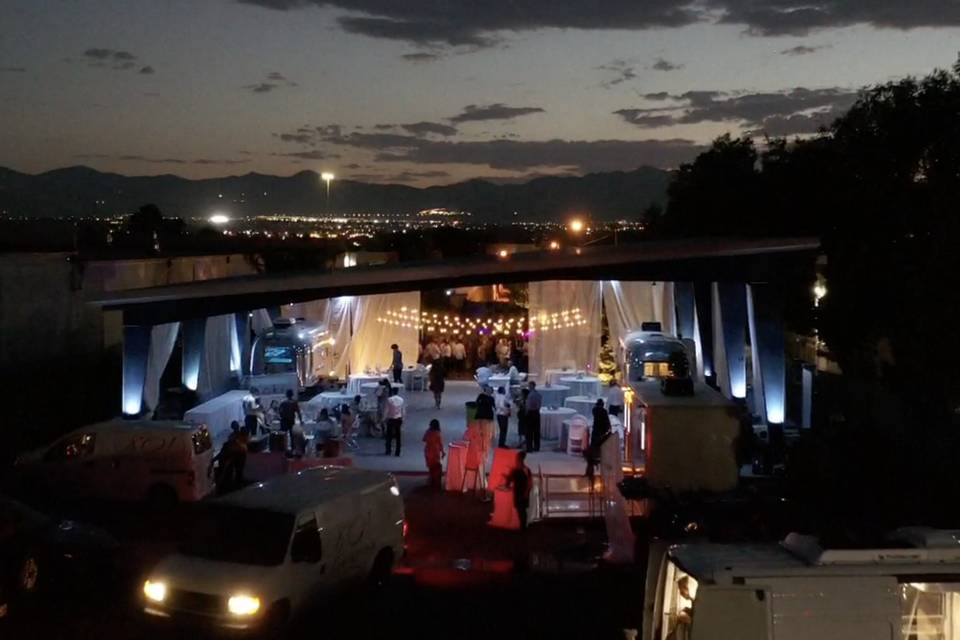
<point>327,177</point>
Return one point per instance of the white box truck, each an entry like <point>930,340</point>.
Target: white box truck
<point>796,590</point>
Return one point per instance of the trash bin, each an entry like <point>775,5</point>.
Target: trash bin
<point>471,411</point>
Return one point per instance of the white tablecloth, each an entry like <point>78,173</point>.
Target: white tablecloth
<point>582,405</point>
<point>273,383</point>
<point>369,388</point>
<point>499,381</point>
<point>327,400</point>
<point>585,386</point>
<point>551,422</point>
<point>357,379</point>
<point>408,374</point>
<point>217,413</point>
<point>553,395</point>
<point>551,376</point>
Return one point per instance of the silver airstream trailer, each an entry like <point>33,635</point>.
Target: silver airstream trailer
<point>646,354</point>
<point>293,345</point>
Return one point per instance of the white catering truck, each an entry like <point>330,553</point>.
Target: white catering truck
<point>316,531</point>
<point>123,460</point>
<point>796,590</point>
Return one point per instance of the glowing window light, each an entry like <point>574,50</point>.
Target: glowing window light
<point>219,219</point>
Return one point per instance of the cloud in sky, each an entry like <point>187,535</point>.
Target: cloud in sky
<point>115,59</point>
<point>274,80</point>
<point>428,22</point>
<point>12,69</point>
<point>496,111</point>
<point>665,65</point>
<point>621,70</point>
<point>421,56</point>
<point>581,155</point>
<point>147,70</point>
<point>420,128</point>
<point>794,111</point>
<point>801,50</point>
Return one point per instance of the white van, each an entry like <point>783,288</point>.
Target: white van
<point>797,591</point>
<point>258,556</point>
<point>124,460</point>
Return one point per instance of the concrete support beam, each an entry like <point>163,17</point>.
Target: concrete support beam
<point>242,320</point>
<point>686,308</point>
<point>194,334</point>
<point>136,348</point>
<point>766,332</point>
<point>733,319</point>
<point>703,296</point>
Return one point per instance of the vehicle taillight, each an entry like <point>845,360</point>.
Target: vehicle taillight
<point>406,528</point>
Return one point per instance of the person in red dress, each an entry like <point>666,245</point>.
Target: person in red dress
<point>433,453</point>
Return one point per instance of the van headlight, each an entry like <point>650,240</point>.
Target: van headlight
<point>241,605</point>
<point>155,591</point>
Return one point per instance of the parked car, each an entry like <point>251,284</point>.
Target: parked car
<point>41,552</point>
<point>261,555</point>
<point>123,460</point>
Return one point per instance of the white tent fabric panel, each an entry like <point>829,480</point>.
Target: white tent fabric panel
<point>628,305</point>
<point>260,321</point>
<point>719,348</point>
<point>335,314</point>
<point>163,340</point>
<point>221,356</point>
<point>575,347</point>
<point>370,346</point>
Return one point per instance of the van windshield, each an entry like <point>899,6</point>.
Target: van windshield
<point>233,534</point>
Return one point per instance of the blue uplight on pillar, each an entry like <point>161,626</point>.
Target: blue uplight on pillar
<point>194,333</point>
<point>686,308</point>
<point>733,320</point>
<point>703,296</point>
<point>243,337</point>
<point>136,347</point>
<point>767,327</point>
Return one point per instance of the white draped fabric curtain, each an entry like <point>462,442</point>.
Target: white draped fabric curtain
<point>335,314</point>
<point>221,356</point>
<point>576,347</point>
<point>370,347</point>
<point>163,340</point>
<point>630,304</point>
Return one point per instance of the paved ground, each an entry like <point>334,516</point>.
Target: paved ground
<point>453,424</point>
<point>461,579</point>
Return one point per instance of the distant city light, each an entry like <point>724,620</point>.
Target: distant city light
<point>576,225</point>
<point>449,292</point>
<point>554,245</point>
<point>326,176</point>
<point>219,218</point>
<point>503,253</point>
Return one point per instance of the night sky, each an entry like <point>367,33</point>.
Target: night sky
<point>436,91</point>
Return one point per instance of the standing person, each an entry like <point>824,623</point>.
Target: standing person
<point>383,392</point>
<point>446,352</point>
<point>522,418</point>
<point>433,453</point>
<point>532,418</point>
<point>433,350</point>
<point>459,355</point>
<point>502,404</point>
<point>599,432</point>
<point>397,363</point>
<point>484,417</point>
<point>438,373</point>
<point>252,412</point>
<point>394,417</point>
<point>615,398</point>
<point>289,411</point>
<point>521,480</point>
<point>475,457</point>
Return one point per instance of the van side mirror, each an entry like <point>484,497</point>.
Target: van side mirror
<point>306,546</point>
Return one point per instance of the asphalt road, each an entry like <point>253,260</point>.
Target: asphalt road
<point>460,579</point>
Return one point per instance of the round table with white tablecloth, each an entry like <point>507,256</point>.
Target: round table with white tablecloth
<point>356,380</point>
<point>551,422</point>
<point>415,373</point>
<point>553,394</point>
<point>369,388</point>
<point>328,400</point>
<point>582,385</point>
<point>551,376</point>
<point>581,404</point>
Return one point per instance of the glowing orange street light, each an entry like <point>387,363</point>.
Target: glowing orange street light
<point>503,253</point>
<point>576,225</point>
<point>554,245</point>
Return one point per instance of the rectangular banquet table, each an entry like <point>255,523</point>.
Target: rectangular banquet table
<point>217,413</point>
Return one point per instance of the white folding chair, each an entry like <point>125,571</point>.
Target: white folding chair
<point>577,436</point>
